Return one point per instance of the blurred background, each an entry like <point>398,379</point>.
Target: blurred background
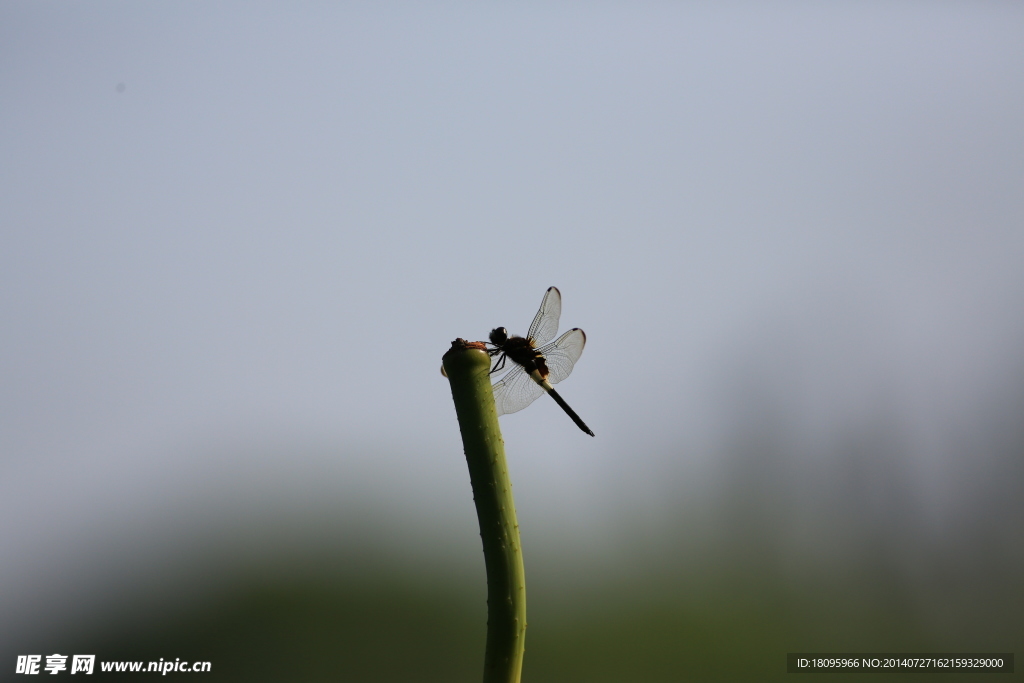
<point>237,239</point>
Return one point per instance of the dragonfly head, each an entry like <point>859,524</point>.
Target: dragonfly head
<point>499,335</point>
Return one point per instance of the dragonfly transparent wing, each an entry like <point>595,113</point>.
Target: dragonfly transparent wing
<point>562,354</point>
<point>516,390</point>
<point>545,323</point>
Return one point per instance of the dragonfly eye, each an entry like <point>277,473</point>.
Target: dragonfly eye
<point>499,335</point>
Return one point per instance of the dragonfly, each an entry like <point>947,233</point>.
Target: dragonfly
<point>536,364</point>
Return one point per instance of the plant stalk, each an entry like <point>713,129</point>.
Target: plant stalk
<point>467,365</point>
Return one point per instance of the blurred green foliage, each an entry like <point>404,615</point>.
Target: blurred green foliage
<point>844,559</point>
<point>727,624</point>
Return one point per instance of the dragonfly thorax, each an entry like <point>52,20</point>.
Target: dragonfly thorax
<point>522,351</point>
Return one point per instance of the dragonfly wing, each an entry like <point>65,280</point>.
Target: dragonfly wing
<point>545,323</point>
<point>561,355</point>
<point>515,391</point>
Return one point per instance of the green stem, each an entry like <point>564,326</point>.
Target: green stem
<point>467,364</point>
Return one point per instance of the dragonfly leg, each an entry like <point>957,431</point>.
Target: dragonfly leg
<point>499,365</point>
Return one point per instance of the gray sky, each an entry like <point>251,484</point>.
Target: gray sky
<point>236,240</point>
